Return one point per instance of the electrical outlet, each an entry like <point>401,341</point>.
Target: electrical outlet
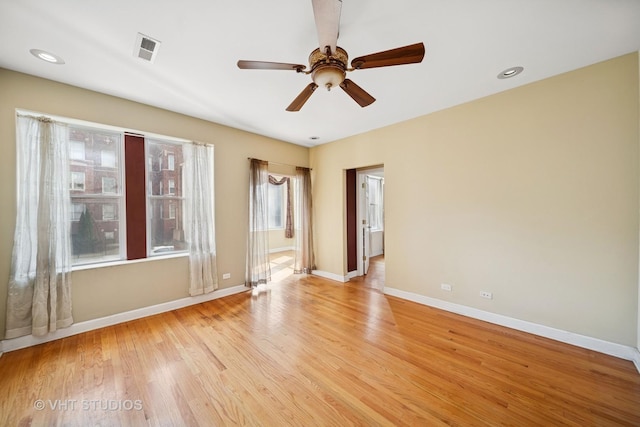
<point>485,294</point>
<point>226,276</point>
<point>445,287</point>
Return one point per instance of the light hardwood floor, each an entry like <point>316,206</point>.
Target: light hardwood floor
<point>308,351</point>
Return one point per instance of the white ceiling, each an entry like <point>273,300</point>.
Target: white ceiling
<point>468,42</point>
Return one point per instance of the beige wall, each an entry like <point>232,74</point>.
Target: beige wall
<point>277,240</point>
<point>105,291</point>
<point>531,194</point>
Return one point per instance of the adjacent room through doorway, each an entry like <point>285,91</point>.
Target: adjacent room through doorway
<point>365,224</point>
<point>279,212</point>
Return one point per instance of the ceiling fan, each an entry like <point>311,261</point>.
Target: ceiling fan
<point>328,63</point>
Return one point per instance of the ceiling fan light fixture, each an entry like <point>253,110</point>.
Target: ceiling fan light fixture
<point>328,70</point>
<point>328,76</point>
<point>510,72</point>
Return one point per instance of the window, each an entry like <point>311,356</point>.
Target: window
<point>108,212</point>
<point>108,185</point>
<point>108,158</point>
<point>124,205</point>
<point>375,187</point>
<point>276,200</point>
<point>76,150</point>
<point>76,211</point>
<point>77,181</point>
<point>164,198</point>
<point>96,198</point>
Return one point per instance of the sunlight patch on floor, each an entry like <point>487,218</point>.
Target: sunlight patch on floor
<point>281,264</point>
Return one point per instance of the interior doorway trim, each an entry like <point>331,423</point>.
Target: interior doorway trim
<point>361,214</point>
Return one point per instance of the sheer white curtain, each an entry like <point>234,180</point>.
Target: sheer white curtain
<point>39,297</point>
<point>304,261</point>
<point>258,269</point>
<point>199,219</point>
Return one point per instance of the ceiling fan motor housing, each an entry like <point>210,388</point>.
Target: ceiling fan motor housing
<point>328,70</point>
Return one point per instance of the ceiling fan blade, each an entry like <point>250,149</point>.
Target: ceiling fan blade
<point>264,65</point>
<point>297,103</point>
<point>327,16</point>
<point>357,93</point>
<point>402,55</point>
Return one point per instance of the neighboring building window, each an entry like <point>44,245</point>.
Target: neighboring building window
<point>171,162</point>
<point>76,211</point>
<point>76,150</point>
<point>109,235</point>
<point>108,159</point>
<point>109,185</point>
<point>77,181</point>
<point>108,212</point>
<point>172,211</point>
<point>172,186</point>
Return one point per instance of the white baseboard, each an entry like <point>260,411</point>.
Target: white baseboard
<point>283,249</point>
<point>596,344</point>
<point>330,276</point>
<point>90,325</point>
<point>350,275</point>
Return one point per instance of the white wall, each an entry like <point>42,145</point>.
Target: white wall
<point>377,243</point>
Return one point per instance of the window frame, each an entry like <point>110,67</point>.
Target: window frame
<point>72,151</point>
<point>112,216</point>
<point>114,186</point>
<point>103,157</point>
<point>79,196</point>
<point>376,209</point>
<point>164,194</point>
<point>283,202</point>
<point>72,181</point>
<point>88,196</point>
<point>73,211</point>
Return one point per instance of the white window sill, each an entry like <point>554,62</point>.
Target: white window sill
<point>127,262</point>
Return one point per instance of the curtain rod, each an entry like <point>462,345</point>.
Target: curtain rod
<point>277,163</point>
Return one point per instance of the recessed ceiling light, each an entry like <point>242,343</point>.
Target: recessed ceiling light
<point>47,56</point>
<point>510,72</point>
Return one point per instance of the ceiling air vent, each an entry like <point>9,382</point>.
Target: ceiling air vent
<point>146,48</point>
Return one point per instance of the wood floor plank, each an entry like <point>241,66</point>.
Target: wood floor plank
<point>309,351</point>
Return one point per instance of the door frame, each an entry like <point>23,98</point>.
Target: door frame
<point>361,215</point>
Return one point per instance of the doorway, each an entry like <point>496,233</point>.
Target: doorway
<point>279,213</point>
<point>365,221</point>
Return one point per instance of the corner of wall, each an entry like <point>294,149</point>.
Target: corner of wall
<point>637,361</point>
